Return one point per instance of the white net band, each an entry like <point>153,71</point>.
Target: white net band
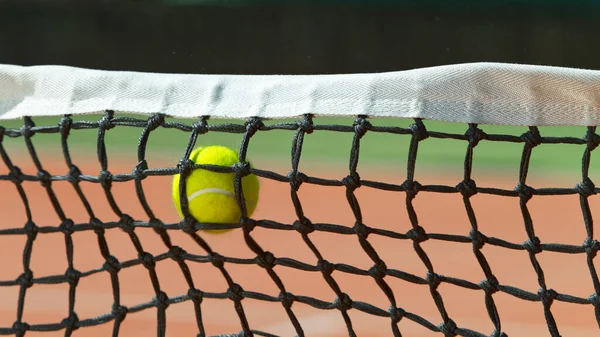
<point>487,93</point>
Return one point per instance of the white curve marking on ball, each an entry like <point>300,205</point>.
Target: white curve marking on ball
<point>214,190</point>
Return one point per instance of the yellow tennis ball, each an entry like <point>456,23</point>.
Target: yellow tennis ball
<point>211,195</point>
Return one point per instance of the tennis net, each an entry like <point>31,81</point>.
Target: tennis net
<point>385,269</point>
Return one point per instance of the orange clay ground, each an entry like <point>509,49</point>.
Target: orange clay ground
<point>556,219</point>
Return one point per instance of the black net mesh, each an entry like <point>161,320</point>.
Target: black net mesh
<point>343,303</point>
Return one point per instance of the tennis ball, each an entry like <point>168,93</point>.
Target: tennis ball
<point>211,195</point>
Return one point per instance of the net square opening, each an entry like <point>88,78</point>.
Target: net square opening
<point>454,259</point>
<point>94,296</point>
<point>442,213</point>
<point>496,160</point>
<point>397,254</point>
<point>325,152</point>
<point>382,209</point>
<point>567,273</point>
<point>512,267</point>
<point>49,255</point>
<point>557,165</point>
<point>466,307</point>
<point>45,303</point>
<point>415,299</point>
<point>499,217</point>
<point>135,285</point>
<point>558,219</point>
<point>307,283</point>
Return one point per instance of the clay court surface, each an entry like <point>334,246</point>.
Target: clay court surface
<point>556,219</point>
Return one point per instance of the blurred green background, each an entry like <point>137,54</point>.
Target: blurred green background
<point>325,150</point>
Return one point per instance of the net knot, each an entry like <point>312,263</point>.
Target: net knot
<point>586,187</point>
<point>547,296</point>
<point>253,125</point>
<point>433,279</point>
<point>532,138</point>
<point>592,139</point>
<point>490,285</point>
<point>306,124</point>
<point>196,295</point>
<point>119,312</point>
<point>64,126</point>
<point>31,229</point>
<point>25,280</point>
<point>533,245</point>
<point>477,238</point>
<point>154,121</point>
<point>248,224</point>
<point>217,260</point>
<point>200,127</point>
<point>396,314</point>
<point>296,179</point>
<point>343,302</point>
<point>161,301</point>
<point>20,328</point>
<point>176,253</point>
<point>71,321</point>
<point>188,225</point>
<point>147,260</point>
<point>266,260</point>
<point>97,226</point>
<point>45,178</point>
<point>448,328</point>
<point>242,168</point>
<point>112,265</point>
<point>126,224</point>
<point>15,175</point>
<point>352,181</point>
<point>303,226</point>
<point>73,276</point>
<point>73,174</point>
<point>379,270</point>
<point>595,299</point>
<point>326,267</point>
<point>105,179</point>
<point>286,299</point>
<point>27,130</point>
<point>467,188</point>
<point>139,170</point>
<point>185,166</point>
<point>475,135</point>
<point>106,122</point>
<point>66,226</point>
<point>591,246</point>
<point>235,292</point>
<point>418,130</point>
<point>361,230</point>
<point>417,234</point>
<point>411,188</point>
<point>361,126</point>
<point>525,192</point>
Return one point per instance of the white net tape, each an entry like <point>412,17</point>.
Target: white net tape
<point>487,93</point>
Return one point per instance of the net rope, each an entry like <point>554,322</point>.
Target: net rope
<point>265,259</point>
